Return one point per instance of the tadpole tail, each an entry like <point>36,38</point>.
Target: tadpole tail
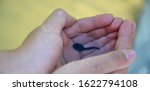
<point>89,48</point>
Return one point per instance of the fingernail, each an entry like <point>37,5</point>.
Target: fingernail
<point>129,54</point>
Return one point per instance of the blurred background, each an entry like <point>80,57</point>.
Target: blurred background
<point>19,17</point>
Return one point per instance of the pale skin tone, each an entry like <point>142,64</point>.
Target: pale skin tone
<point>48,49</point>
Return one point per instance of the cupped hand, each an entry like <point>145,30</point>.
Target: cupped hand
<point>102,31</point>
<point>51,44</point>
<point>99,31</point>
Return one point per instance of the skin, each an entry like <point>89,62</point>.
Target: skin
<point>45,48</point>
<point>98,31</point>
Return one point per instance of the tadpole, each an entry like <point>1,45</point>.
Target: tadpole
<point>80,47</point>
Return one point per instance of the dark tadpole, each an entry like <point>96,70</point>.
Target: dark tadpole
<point>80,47</point>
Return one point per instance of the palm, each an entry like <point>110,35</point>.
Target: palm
<point>103,38</point>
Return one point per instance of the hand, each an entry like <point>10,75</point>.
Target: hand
<point>42,50</point>
<point>101,64</point>
<point>100,31</point>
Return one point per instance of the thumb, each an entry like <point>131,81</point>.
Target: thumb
<point>58,20</point>
<point>105,63</point>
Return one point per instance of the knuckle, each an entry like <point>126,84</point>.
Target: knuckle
<point>119,58</point>
<point>115,56</point>
<point>60,11</point>
<point>119,55</point>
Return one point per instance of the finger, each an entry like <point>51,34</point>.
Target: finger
<point>103,31</point>
<point>101,42</point>
<point>58,20</point>
<point>126,38</point>
<point>82,38</point>
<point>106,63</point>
<point>97,33</point>
<point>115,25</point>
<point>126,35</point>
<point>109,46</point>
<point>90,23</point>
<point>85,38</point>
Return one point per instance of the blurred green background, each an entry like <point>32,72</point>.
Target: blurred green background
<point>19,17</point>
